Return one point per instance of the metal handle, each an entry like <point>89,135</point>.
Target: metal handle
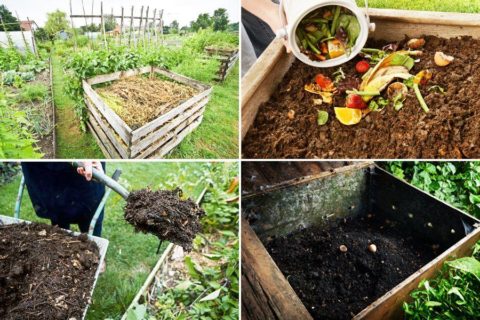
<point>106,180</point>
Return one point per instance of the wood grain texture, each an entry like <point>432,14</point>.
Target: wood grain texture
<point>273,293</point>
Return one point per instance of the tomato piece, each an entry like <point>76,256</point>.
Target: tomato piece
<point>362,66</point>
<point>324,82</point>
<point>355,101</point>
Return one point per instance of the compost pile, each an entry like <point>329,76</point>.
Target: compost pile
<point>164,214</point>
<point>335,272</point>
<point>290,125</point>
<point>139,100</point>
<point>45,272</point>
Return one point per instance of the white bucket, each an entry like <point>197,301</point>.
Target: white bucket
<point>296,10</point>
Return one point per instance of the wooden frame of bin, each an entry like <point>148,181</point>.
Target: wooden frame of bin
<point>157,137</point>
<point>267,294</point>
<point>227,59</point>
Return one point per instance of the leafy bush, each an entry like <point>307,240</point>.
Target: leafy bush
<point>16,142</point>
<point>207,37</point>
<point>33,92</point>
<point>457,183</point>
<point>8,171</point>
<point>453,294</point>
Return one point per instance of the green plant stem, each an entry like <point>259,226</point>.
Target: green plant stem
<point>422,102</point>
<point>364,93</point>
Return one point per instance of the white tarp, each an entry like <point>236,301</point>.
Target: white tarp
<point>17,39</point>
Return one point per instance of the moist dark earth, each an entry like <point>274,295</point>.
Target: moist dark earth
<point>337,285</point>
<point>165,214</point>
<point>45,272</point>
<point>450,130</point>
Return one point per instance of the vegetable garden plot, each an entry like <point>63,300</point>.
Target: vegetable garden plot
<point>137,117</point>
<point>47,272</point>
<point>375,229</point>
<point>288,113</point>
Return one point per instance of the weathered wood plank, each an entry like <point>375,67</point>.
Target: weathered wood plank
<point>153,125</point>
<point>389,306</point>
<point>104,78</point>
<point>122,129</point>
<point>109,132</point>
<point>170,135</point>
<point>141,144</point>
<point>99,142</point>
<point>177,139</point>
<point>102,140</point>
<point>260,270</point>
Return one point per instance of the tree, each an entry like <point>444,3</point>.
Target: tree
<point>9,21</point>
<point>56,22</point>
<point>203,22</point>
<point>174,26</point>
<point>220,19</point>
<point>233,27</point>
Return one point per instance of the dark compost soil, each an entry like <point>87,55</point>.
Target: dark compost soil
<point>45,272</point>
<point>450,130</point>
<point>337,285</point>
<point>165,214</point>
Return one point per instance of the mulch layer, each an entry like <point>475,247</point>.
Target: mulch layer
<point>337,285</point>
<point>45,272</point>
<point>139,100</point>
<point>450,130</point>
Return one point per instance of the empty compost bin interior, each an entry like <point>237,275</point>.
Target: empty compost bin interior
<point>346,238</point>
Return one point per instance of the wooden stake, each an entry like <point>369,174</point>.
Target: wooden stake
<point>140,27</point>
<point>150,36</point>
<point>102,21</point>
<point>146,23</point>
<point>73,28</point>
<point>160,25</point>
<point>34,43</point>
<point>121,29</point>
<point>27,46</point>
<point>86,23</point>
<point>131,23</point>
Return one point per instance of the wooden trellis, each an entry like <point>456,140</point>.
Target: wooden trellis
<point>149,28</point>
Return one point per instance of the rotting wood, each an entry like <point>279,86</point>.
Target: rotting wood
<point>264,76</point>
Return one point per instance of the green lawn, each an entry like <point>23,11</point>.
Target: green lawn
<point>72,143</point>
<point>130,255</point>
<point>217,136</point>
<point>471,6</point>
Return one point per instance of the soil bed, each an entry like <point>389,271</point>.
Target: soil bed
<point>337,285</point>
<point>450,130</point>
<point>164,214</point>
<point>139,100</point>
<point>45,272</point>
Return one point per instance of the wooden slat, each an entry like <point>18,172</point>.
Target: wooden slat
<point>262,79</point>
<point>104,78</point>
<point>182,79</point>
<point>141,144</point>
<point>157,145</point>
<point>389,306</point>
<point>177,139</point>
<point>269,283</point>
<point>153,125</point>
<point>113,119</point>
<point>108,131</point>
<point>103,142</point>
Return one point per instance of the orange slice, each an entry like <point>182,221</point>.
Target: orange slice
<point>348,116</point>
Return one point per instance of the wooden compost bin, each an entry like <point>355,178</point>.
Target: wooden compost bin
<point>227,58</point>
<point>392,25</point>
<point>343,192</point>
<point>154,139</point>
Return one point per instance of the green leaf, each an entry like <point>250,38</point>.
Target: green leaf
<point>191,267</point>
<point>402,60</point>
<point>322,117</point>
<point>184,285</point>
<point>212,296</point>
<point>433,304</point>
<point>466,264</point>
<point>137,313</point>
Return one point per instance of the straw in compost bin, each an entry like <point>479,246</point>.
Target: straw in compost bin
<point>45,272</point>
<point>139,100</point>
<point>165,214</point>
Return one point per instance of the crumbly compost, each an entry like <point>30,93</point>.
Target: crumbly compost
<point>336,284</point>
<point>165,214</point>
<point>139,100</point>
<point>450,130</point>
<point>45,272</point>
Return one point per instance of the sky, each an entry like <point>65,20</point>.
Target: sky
<point>183,11</point>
